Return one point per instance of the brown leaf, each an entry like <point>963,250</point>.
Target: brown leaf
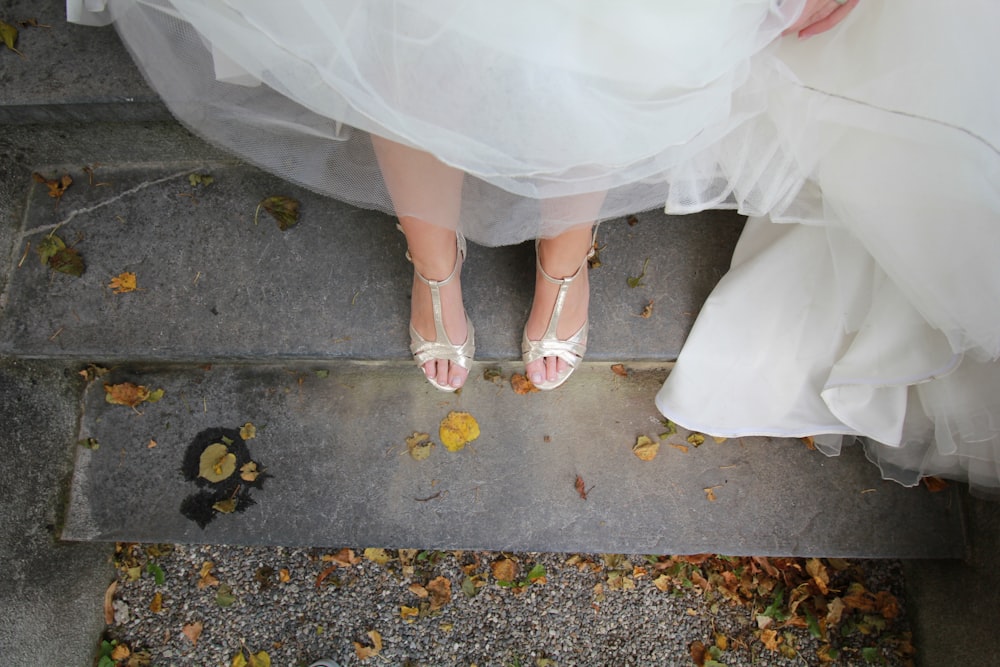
<point>770,639</point>
<point>109,599</point>
<point>418,590</point>
<point>205,577</point>
<point>324,574</point>
<point>818,572</point>
<point>129,394</point>
<point>580,487</point>
<point>619,370</point>
<point>284,576</point>
<point>57,187</point>
<point>522,385</point>
<point>888,605</point>
<point>419,446</point>
<point>120,652</point>
<point>365,652</point>
<point>647,310</point>
<point>193,631</point>
<point>156,605</point>
<point>810,442</point>
<point>504,570</point>
<point>440,592</point>
<point>710,493</point>
<point>698,653</point>
<point>344,558</point>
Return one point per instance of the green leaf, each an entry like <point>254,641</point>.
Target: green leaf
<point>200,179</point>
<point>813,623</point>
<point>8,34</point>
<point>224,597</point>
<point>68,261</point>
<point>155,395</point>
<point>49,246</point>
<point>637,280</point>
<point>283,209</point>
<point>469,587</point>
<point>89,443</point>
<point>872,655</point>
<point>536,572</point>
<point>774,609</point>
<point>105,661</point>
<point>322,374</point>
<point>157,572</point>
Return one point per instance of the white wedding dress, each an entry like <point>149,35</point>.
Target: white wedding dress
<point>864,298</point>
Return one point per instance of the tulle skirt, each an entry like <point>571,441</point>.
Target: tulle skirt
<point>864,299</point>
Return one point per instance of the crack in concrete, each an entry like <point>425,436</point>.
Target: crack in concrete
<point>82,211</point>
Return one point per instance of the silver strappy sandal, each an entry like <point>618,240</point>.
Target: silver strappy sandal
<point>570,350</point>
<point>441,348</point>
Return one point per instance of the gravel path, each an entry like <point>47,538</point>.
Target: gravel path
<point>300,605</point>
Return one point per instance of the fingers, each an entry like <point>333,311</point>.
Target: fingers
<point>819,16</point>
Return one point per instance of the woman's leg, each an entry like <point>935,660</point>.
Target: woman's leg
<point>427,197</point>
<point>560,257</point>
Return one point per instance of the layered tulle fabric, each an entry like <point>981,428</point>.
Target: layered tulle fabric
<point>864,299</point>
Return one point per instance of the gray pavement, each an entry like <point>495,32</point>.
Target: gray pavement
<point>292,303</point>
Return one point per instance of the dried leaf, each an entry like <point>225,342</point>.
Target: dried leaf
<point>248,431</point>
<point>457,430</point>
<point>53,251</point>
<point>662,582</point>
<point>130,395</point>
<point>123,283</point>
<point>696,439</point>
<point>710,493</point>
<point>227,506</point>
<point>419,446</point>
<point>504,570</point>
<point>934,484</point>
<point>156,605</point>
<point>645,449</point>
<point>647,310</point>
<point>193,631</point>
<point>637,280</point>
<point>671,429</point>
<point>698,653</point>
<point>259,659</point>
<point>57,187</point>
<point>344,558</point>
<point>216,463</point>
<point>680,448</point>
<point>440,592</point>
<point>418,590</point>
<point>619,370</point>
<point>120,652</point>
<point>364,652</point>
<point>493,375</point>
<point>522,385</point>
<point>408,614</point>
<point>580,487</point>
<point>770,639</point>
<point>8,34</point>
<point>818,572</point>
<point>809,442</point>
<point>205,577</point>
<point>249,472</point>
<point>109,608</point>
<point>283,209</point>
<point>379,556</point>
<point>200,179</point>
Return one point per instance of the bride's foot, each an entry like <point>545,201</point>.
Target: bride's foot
<point>555,336</point>
<point>437,318</point>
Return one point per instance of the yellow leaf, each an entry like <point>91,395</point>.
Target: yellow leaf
<point>227,506</point>
<point>205,576</point>
<point>8,35</point>
<point>710,493</point>
<point>408,614</point>
<point>156,606</point>
<point>248,431</point>
<point>696,439</point>
<point>419,445</point>
<point>249,472</point>
<point>380,556</point>
<point>217,463</point>
<point>457,430</point>
<point>120,652</point>
<point>238,660</point>
<point>126,393</point>
<point>418,590</point>
<point>260,659</point>
<point>645,449</point>
<point>365,652</point>
<point>123,283</point>
<point>284,576</point>
<point>719,440</point>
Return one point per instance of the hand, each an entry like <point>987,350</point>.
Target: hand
<point>819,16</point>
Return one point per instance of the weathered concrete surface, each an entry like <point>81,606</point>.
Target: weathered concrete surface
<point>218,280</point>
<point>334,443</point>
<point>51,591</point>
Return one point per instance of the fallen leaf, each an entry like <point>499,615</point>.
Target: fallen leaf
<point>810,442</point>
<point>696,439</point>
<point>834,611</point>
<point>647,310</point>
<point>619,370</point>
<point>8,34</point>
<point>681,448</point>
<point>662,583</point>
<point>698,653</point>
<point>200,179</point>
<point>365,652</point>
<point>90,443</point>
<point>719,440</point>
<point>283,209</point>
<point>120,652</point>
<point>227,506</point>
<point>130,395</point>
<point>637,280</point>
<point>249,472</point>
<point>344,558</point>
<point>580,487</point>
<point>457,430</point>
<point>284,576</point>
<point>522,385</point>
<point>418,590</point>
<point>224,597</point>
<point>820,576</point>
<point>109,608</point>
<point>123,283</point>
<point>259,659</point>
<point>671,429</point>
<point>193,631</point>
<point>217,463</point>
<point>770,639</point>
<point>156,605</point>
<point>380,556</point>
<point>632,221</point>
<point>321,577</point>
<point>710,493</point>
<point>248,431</point>
<point>152,444</point>
<point>440,592</point>
<point>504,570</point>
<point>493,375</point>
<point>419,446</point>
<point>53,252</point>
<point>645,449</point>
<point>408,614</point>
<point>205,577</point>
<point>57,187</point>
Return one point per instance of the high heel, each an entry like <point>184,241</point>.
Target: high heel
<point>441,348</point>
<point>570,350</point>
